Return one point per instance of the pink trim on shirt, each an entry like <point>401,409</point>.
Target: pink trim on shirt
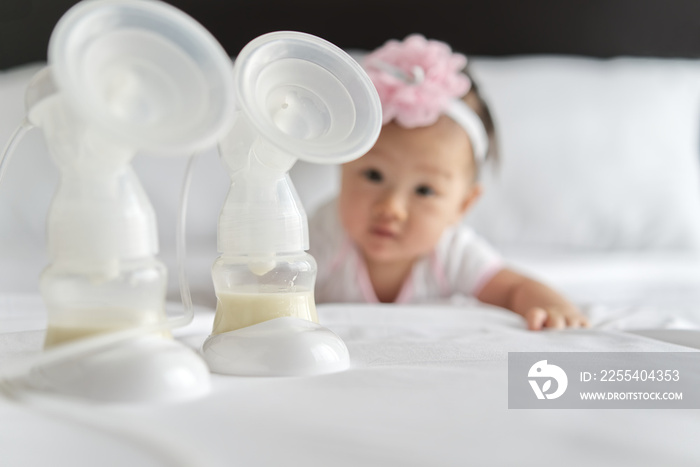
<point>364,282</point>
<point>367,289</point>
<point>486,275</point>
<point>439,271</point>
<point>406,293</point>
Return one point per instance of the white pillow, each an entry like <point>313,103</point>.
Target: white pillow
<point>595,154</point>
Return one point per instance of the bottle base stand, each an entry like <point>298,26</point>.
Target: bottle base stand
<point>143,370</point>
<point>279,347</point>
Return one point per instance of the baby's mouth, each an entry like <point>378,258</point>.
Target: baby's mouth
<point>383,232</point>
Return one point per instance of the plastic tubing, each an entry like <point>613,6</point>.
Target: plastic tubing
<point>9,149</point>
<point>103,341</point>
<point>181,246</point>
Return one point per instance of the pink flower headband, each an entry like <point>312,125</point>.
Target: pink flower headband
<point>418,80</point>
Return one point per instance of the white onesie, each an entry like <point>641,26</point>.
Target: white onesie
<point>461,263</point>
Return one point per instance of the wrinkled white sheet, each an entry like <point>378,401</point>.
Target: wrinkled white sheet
<point>428,386</point>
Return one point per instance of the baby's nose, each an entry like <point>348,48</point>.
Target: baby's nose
<point>391,206</point>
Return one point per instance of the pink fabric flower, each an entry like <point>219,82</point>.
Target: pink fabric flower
<point>416,79</point>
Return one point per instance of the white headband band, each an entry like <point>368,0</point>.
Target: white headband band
<point>461,113</point>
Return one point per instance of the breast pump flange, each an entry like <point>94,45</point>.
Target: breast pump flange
<point>298,97</point>
<point>123,76</point>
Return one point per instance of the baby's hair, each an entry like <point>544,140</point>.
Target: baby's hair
<point>477,103</point>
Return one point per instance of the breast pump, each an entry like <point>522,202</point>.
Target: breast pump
<point>132,75</point>
<point>298,97</point>
<point>123,76</point>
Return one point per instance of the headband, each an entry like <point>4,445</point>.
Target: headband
<point>418,80</point>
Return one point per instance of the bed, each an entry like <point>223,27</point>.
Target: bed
<point>597,193</point>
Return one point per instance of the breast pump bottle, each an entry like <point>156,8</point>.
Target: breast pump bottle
<point>123,76</point>
<point>128,76</point>
<point>103,274</point>
<point>298,97</point>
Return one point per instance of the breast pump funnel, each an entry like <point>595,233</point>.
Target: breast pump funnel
<point>144,72</point>
<point>307,98</point>
<point>298,97</point>
<point>124,76</point>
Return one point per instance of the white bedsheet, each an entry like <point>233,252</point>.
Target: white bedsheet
<point>428,384</point>
<point>427,387</point>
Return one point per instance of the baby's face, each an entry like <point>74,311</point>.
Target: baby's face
<point>397,200</point>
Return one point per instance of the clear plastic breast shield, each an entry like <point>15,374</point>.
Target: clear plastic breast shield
<point>123,76</point>
<point>298,97</point>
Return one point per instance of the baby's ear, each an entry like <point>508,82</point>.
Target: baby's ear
<point>473,193</point>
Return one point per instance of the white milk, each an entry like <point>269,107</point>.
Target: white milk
<point>235,310</point>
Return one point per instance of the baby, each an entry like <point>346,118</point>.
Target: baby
<point>394,233</point>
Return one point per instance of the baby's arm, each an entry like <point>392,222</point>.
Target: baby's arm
<point>538,304</point>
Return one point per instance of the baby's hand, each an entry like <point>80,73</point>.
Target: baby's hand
<point>541,306</point>
<point>555,317</point>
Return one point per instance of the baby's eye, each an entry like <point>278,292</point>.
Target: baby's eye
<point>373,175</point>
<point>425,190</point>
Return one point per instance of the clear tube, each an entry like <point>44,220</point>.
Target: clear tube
<point>16,137</point>
<point>103,341</point>
<point>181,252</point>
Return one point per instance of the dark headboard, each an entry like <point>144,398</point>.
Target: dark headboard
<point>598,28</point>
